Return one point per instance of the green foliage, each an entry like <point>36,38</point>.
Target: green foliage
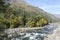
<point>3,6</point>
<point>30,23</point>
<point>14,17</point>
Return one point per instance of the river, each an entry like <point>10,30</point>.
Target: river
<point>49,32</point>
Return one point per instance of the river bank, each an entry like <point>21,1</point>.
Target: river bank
<point>47,32</point>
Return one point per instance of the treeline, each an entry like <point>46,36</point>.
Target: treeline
<point>19,18</point>
<point>12,17</point>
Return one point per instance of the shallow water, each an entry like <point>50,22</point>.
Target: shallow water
<point>39,34</point>
<point>30,36</point>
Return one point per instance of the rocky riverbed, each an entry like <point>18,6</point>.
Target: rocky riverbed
<point>49,32</point>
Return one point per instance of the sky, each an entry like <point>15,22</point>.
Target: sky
<point>51,6</point>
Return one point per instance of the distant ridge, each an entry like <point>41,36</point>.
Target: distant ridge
<point>57,15</point>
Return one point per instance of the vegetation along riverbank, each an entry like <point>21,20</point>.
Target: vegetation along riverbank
<point>20,14</point>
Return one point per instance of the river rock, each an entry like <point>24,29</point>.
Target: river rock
<point>49,32</point>
<point>56,33</point>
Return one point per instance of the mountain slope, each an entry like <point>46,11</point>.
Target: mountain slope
<point>29,8</point>
<point>22,14</point>
<point>57,15</point>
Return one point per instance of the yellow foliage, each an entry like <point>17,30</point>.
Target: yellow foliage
<point>43,21</point>
<point>30,23</point>
<point>15,20</point>
<point>38,24</point>
<point>20,18</point>
<point>11,26</point>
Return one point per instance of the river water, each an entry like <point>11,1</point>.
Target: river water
<point>39,34</point>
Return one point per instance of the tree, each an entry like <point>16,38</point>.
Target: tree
<point>43,21</point>
<point>30,23</point>
<point>3,6</point>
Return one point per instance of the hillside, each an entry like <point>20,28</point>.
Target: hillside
<point>22,14</point>
<point>31,9</point>
<point>57,15</point>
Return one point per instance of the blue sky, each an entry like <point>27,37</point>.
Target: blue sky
<point>52,6</point>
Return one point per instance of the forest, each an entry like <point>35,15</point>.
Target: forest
<point>12,17</point>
